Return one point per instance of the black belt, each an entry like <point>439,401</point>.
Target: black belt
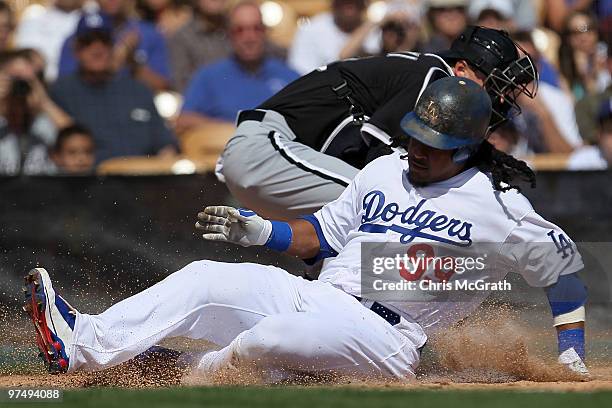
<point>255,115</point>
<point>389,315</point>
<point>384,312</point>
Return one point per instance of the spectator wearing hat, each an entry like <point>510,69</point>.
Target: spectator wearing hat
<point>321,40</point>
<point>46,32</point>
<point>447,18</point>
<point>118,109</point>
<point>242,81</point>
<point>398,31</point>
<point>139,48</point>
<point>598,157</point>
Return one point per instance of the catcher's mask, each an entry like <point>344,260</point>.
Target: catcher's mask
<point>509,69</point>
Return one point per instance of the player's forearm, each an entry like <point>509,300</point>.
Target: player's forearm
<point>567,298</point>
<point>305,242</point>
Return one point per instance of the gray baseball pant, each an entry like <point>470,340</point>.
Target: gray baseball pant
<point>271,173</point>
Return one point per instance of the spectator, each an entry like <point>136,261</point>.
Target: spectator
<point>139,48</point>
<point>581,58</point>
<point>596,157</point>
<point>117,109</point>
<point>73,152</point>
<point>497,14</point>
<point>7,25</point>
<point>167,15</point>
<point>321,41</point>
<point>549,117</point>
<point>201,41</point>
<point>448,18</point>
<point>547,71</point>
<point>242,81</point>
<point>399,30</point>
<point>586,110</point>
<point>47,32</point>
<point>28,117</point>
<point>557,11</point>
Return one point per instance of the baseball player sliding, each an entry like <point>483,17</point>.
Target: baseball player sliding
<point>299,149</point>
<point>449,186</point>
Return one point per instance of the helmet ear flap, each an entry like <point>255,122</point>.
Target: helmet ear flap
<point>462,154</point>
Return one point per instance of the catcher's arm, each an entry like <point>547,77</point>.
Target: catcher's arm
<point>243,227</point>
<point>567,298</point>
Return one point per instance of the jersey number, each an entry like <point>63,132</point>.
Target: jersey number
<point>420,254</point>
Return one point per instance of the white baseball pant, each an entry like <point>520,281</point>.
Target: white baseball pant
<point>258,314</point>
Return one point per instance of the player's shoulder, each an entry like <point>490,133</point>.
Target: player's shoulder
<point>511,203</point>
<point>381,168</point>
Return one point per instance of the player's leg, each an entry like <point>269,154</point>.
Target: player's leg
<point>277,177</point>
<point>204,300</point>
<point>337,336</point>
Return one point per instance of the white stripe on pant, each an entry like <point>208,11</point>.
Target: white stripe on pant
<point>259,175</point>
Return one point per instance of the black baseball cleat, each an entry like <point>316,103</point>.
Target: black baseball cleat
<point>53,320</point>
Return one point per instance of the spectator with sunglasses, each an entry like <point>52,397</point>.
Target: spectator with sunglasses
<point>582,58</point>
<point>242,81</point>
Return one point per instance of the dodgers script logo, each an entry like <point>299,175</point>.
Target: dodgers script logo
<point>424,223</point>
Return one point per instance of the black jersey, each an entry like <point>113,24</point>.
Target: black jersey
<point>384,88</point>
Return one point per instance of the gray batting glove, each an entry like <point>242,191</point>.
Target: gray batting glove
<point>238,226</point>
<point>572,360</point>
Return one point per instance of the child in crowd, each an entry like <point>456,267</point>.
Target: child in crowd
<point>74,151</point>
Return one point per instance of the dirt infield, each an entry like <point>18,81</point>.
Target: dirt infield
<point>494,350</point>
<point>600,379</point>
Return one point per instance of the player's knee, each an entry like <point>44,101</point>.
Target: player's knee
<point>273,340</point>
<point>266,341</point>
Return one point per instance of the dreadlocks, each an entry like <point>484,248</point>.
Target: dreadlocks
<point>503,167</point>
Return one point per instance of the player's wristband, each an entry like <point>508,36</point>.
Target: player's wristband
<point>572,338</point>
<point>280,237</point>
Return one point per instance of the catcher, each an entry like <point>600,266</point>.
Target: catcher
<point>299,149</point>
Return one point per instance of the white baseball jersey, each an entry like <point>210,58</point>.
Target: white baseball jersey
<point>381,205</point>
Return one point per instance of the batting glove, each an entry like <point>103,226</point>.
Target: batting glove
<point>572,360</point>
<point>238,226</point>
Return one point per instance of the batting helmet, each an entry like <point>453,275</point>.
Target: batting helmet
<point>452,113</point>
<point>508,73</point>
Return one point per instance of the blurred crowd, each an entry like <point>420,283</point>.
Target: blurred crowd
<point>79,79</point>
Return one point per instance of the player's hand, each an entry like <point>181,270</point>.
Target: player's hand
<point>572,361</point>
<point>238,226</point>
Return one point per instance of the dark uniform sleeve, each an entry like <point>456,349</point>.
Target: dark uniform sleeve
<point>385,121</point>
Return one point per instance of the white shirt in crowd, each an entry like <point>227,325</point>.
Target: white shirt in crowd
<point>46,33</point>
<point>320,42</point>
<point>561,108</point>
<point>587,158</point>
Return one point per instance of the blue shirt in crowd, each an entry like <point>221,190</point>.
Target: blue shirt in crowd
<point>120,114</point>
<point>221,89</point>
<point>151,50</point>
